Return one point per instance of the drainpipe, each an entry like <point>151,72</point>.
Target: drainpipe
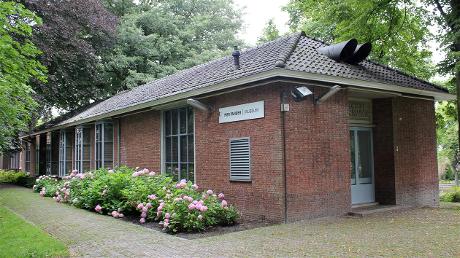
<point>284,107</point>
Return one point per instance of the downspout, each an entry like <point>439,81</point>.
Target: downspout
<point>283,110</point>
<point>118,142</point>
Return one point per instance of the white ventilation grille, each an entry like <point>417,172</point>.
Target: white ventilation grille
<point>240,159</point>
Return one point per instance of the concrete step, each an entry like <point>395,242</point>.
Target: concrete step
<point>363,211</point>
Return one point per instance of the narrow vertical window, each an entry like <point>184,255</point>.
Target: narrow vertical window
<point>65,153</point>
<point>82,149</point>
<point>179,143</point>
<point>27,157</point>
<point>48,154</point>
<point>104,145</point>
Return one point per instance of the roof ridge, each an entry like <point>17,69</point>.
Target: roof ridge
<point>283,57</point>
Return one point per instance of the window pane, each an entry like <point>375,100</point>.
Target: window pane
<point>108,154</point>
<point>183,171</point>
<point>175,172</point>
<point>183,120</point>
<point>168,149</point>
<point>174,121</point>
<point>191,172</point>
<point>174,149</point>
<point>364,156</point>
<point>86,166</point>
<point>352,151</point>
<point>167,122</point>
<point>183,149</point>
<point>190,121</point>
<point>190,148</point>
<point>108,132</point>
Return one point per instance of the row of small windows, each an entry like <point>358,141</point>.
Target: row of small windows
<point>179,148</point>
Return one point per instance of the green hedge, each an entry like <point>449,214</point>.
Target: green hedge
<point>12,177</point>
<point>452,195</point>
<point>177,206</point>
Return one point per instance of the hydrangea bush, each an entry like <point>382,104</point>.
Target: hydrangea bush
<point>176,206</point>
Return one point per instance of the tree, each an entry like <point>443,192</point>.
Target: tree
<point>397,29</point>
<point>170,35</point>
<point>447,14</point>
<point>18,65</point>
<point>270,32</point>
<point>75,37</point>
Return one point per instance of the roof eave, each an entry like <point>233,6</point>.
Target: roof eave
<point>277,72</point>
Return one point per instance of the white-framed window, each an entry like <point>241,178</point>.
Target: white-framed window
<point>240,159</point>
<point>14,160</point>
<point>48,154</point>
<point>104,145</point>
<point>82,149</point>
<point>65,152</point>
<point>27,157</point>
<point>179,145</point>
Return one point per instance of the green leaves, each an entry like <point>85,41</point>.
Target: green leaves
<point>398,30</point>
<point>18,66</point>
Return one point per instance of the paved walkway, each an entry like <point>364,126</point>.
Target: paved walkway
<point>422,232</point>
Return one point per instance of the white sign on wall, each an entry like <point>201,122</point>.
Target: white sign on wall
<point>242,112</point>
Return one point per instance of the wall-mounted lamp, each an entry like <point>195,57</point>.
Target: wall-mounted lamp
<point>198,105</point>
<point>301,93</point>
<point>333,90</point>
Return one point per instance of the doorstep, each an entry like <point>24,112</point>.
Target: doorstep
<point>362,210</point>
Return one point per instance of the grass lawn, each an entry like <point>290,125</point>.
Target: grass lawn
<point>19,238</point>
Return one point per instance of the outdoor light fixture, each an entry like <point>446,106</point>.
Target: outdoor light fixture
<point>333,90</point>
<point>198,105</point>
<point>301,93</point>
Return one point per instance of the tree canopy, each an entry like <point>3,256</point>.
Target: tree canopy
<point>18,65</point>
<point>270,32</point>
<point>170,35</point>
<point>398,30</point>
<point>75,37</point>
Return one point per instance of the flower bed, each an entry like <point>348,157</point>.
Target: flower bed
<point>177,206</point>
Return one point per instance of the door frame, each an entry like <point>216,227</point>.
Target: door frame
<point>355,129</point>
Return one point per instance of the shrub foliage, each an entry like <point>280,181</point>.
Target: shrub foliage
<point>177,206</point>
<point>13,177</point>
<point>453,195</point>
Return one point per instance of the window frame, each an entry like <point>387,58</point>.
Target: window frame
<point>164,137</point>
<point>99,158</point>
<point>64,141</point>
<point>80,148</point>
<point>27,157</point>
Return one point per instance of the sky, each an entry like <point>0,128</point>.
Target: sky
<point>256,15</point>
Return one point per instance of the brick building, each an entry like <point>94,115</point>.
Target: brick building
<point>285,130</point>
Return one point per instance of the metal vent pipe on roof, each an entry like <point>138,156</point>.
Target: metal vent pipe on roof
<point>361,52</point>
<point>236,57</point>
<point>340,52</point>
<point>333,90</point>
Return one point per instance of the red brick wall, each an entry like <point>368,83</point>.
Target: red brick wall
<point>384,164</point>
<point>318,157</point>
<point>262,198</point>
<point>415,152</point>
<point>140,140</point>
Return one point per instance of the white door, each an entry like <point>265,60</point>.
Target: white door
<point>362,165</point>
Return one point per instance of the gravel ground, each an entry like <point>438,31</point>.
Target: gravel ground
<point>416,232</point>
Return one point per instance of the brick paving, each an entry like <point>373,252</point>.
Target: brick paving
<point>419,232</point>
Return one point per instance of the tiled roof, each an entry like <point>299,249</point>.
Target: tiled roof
<point>294,52</point>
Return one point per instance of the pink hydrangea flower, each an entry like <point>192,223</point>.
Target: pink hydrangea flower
<point>152,197</point>
<point>209,192</point>
<point>142,220</point>
<point>166,224</point>
<point>191,206</point>
<point>203,208</point>
<point>98,208</point>
<point>121,215</point>
<point>145,209</point>
<point>115,214</point>
<point>148,205</point>
<point>167,215</point>
<point>140,206</point>
<point>221,196</point>
<point>152,173</point>
<point>195,187</point>
<point>224,203</point>
<point>144,215</point>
